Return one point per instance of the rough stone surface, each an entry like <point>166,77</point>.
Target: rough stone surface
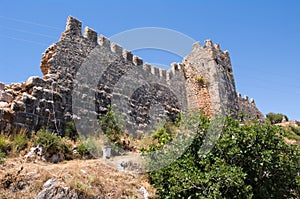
<point>2,86</point>
<point>4,105</point>
<point>210,68</point>
<point>47,101</point>
<point>53,189</point>
<point>248,109</point>
<point>5,97</point>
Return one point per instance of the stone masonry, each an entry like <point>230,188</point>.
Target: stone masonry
<point>47,101</point>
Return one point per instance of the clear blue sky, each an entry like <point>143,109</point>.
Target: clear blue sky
<point>263,38</point>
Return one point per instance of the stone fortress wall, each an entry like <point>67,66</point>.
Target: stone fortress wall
<point>47,101</point>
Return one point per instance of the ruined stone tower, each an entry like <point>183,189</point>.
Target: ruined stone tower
<point>47,101</point>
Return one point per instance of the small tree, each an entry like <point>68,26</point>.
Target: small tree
<point>275,118</point>
<point>249,161</point>
<point>70,130</point>
<point>110,125</point>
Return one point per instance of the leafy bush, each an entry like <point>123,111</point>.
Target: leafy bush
<point>110,125</point>
<point>275,118</point>
<point>20,142</point>
<point>83,151</point>
<point>53,144</point>
<point>290,134</point>
<point>2,157</point>
<point>70,131</point>
<point>91,147</point>
<point>163,135</point>
<point>249,161</point>
<point>296,130</point>
<point>5,145</point>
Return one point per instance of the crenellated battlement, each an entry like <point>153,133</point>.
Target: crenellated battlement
<point>157,72</point>
<point>214,52</point>
<point>248,108</point>
<point>162,73</point>
<point>90,34</point>
<point>73,26</point>
<point>154,71</point>
<point>127,55</point>
<point>208,44</point>
<point>104,42</point>
<point>174,68</point>
<point>245,98</point>
<point>117,49</point>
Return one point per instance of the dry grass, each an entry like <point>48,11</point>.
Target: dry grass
<point>92,177</point>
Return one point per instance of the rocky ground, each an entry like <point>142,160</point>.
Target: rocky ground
<point>70,179</point>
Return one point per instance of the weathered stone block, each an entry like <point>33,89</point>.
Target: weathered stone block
<point>73,26</point>
<point>28,99</point>
<point>6,97</point>
<point>128,56</point>
<point>2,86</point>
<point>90,34</point>
<point>137,61</point>
<point>4,105</point>
<point>103,41</point>
<point>115,48</point>
<point>35,81</point>
<point>6,114</point>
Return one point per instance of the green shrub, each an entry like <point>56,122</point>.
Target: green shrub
<point>83,150</point>
<point>20,142</point>
<point>110,125</point>
<point>5,145</point>
<point>275,118</point>
<point>247,161</point>
<point>70,131</point>
<point>162,136</point>
<point>296,130</point>
<point>53,144</point>
<point>2,157</point>
<point>290,134</point>
<point>200,80</point>
<point>91,146</point>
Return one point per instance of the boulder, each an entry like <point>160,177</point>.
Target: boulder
<point>35,81</point>
<point>4,105</point>
<point>144,192</point>
<point>34,153</point>
<point>17,106</point>
<point>56,190</point>
<point>6,97</point>
<point>2,86</point>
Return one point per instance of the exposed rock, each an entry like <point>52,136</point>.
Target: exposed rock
<point>34,153</point>
<point>35,81</point>
<point>6,97</point>
<point>17,106</point>
<point>55,158</point>
<point>4,105</point>
<point>50,182</point>
<point>144,192</point>
<point>53,189</point>
<point>2,86</point>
